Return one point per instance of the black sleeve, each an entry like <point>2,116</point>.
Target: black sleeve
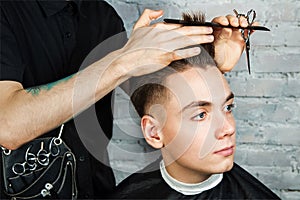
<point>11,64</point>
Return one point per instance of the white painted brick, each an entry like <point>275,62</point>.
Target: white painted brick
<point>266,110</point>
<point>291,195</point>
<point>276,60</point>
<point>275,178</point>
<point>267,133</point>
<point>292,89</point>
<point>263,155</point>
<point>258,87</point>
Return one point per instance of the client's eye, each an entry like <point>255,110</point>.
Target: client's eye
<point>200,116</point>
<point>229,108</point>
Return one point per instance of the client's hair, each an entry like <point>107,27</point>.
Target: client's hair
<point>151,90</point>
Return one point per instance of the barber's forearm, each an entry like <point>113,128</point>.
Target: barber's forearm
<point>29,113</point>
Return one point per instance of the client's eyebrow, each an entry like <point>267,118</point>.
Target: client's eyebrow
<point>230,96</point>
<point>204,103</point>
<point>196,104</point>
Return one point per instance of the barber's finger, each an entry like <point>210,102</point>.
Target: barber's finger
<point>254,24</point>
<point>184,30</point>
<point>194,30</point>
<point>224,33</point>
<point>233,20</point>
<point>243,21</point>
<point>185,41</point>
<point>166,26</point>
<point>221,20</point>
<point>198,39</point>
<point>146,18</point>
<point>183,53</point>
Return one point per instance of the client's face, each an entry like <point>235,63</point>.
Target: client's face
<point>199,128</point>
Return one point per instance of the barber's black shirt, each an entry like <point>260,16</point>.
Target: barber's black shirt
<point>45,41</point>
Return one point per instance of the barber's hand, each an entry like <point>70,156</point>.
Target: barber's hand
<point>229,43</point>
<point>152,47</point>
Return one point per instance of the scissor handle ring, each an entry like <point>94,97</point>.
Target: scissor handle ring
<point>6,152</point>
<point>57,141</point>
<point>19,164</point>
<point>44,161</point>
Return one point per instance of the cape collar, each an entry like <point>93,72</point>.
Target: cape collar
<point>187,188</point>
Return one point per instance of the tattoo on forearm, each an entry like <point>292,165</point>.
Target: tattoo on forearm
<point>35,91</point>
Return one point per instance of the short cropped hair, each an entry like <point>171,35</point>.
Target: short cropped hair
<point>151,89</point>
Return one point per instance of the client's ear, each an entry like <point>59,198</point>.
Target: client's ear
<point>152,131</point>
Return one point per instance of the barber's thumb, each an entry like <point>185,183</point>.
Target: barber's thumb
<point>148,16</point>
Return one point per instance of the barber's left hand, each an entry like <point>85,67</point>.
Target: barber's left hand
<point>229,43</point>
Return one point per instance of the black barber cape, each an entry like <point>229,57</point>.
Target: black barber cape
<point>236,184</point>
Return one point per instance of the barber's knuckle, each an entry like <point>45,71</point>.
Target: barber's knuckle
<point>173,56</point>
<point>156,25</point>
<point>147,10</point>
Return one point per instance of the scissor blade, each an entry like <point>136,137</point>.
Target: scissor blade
<point>247,55</point>
<point>211,24</point>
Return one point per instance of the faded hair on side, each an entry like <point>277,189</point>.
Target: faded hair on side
<point>150,89</point>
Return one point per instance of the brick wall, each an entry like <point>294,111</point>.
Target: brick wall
<point>268,113</point>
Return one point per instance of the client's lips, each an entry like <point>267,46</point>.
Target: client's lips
<point>227,151</point>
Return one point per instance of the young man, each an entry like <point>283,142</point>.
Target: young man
<point>186,111</point>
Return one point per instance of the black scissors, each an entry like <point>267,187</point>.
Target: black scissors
<point>250,17</point>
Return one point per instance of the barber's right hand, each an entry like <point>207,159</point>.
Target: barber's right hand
<point>152,47</point>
